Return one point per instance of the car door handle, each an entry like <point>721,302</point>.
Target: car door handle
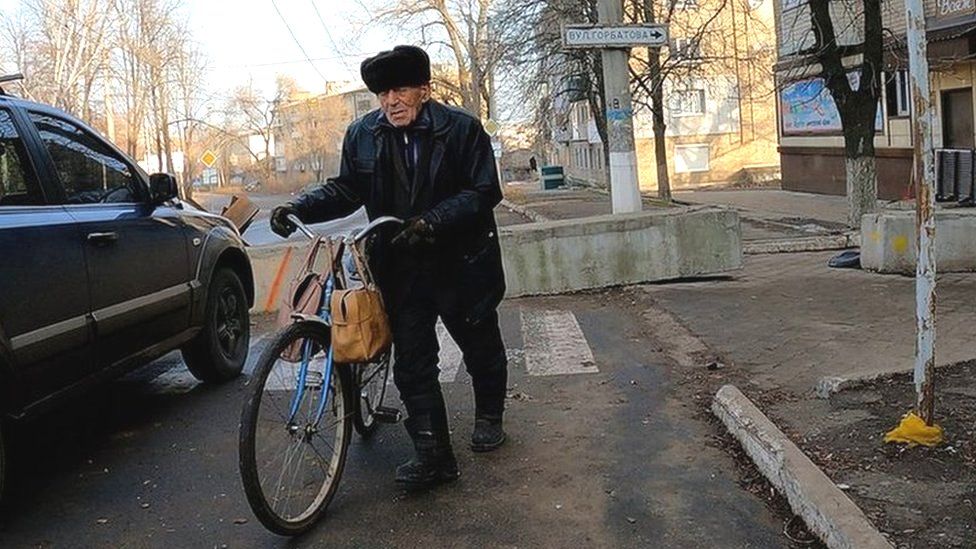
<point>103,238</point>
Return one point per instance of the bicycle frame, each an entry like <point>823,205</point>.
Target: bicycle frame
<point>325,314</point>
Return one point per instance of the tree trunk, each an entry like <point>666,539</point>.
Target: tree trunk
<point>657,111</point>
<point>660,127</point>
<point>862,183</point>
<point>168,144</point>
<point>661,153</point>
<point>858,119</point>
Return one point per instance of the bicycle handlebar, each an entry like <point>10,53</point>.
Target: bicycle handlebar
<point>372,227</point>
<point>351,239</point>
<point>301,226</point>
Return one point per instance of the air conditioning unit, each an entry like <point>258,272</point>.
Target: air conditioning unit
<point>955,173</point>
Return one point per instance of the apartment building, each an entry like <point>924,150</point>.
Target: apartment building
<point>720,104</point>
<point>811,142</point>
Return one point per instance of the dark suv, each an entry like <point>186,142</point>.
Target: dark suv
<point>103,268</point>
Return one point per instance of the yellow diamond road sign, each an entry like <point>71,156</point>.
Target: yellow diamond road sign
<point>208,159</point>
<point>491,127</point>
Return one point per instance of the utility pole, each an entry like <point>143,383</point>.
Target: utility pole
<point>924,213</point>
<point>624,185</point>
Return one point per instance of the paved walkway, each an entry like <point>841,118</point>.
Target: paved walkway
<point>776,204</point>
<point>601,454</point>
<point>787,319</point>
<point>766,214</point>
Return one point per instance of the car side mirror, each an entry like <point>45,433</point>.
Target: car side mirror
<point>162,188</point>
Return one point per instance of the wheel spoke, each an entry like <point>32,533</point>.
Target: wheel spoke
<point>296,467</point>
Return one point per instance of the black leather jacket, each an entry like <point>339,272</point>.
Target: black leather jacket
<point>457,198</point>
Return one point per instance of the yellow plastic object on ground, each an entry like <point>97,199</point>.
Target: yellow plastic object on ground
<point>913,430</point>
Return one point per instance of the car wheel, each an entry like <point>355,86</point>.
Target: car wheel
<point>219,351</point>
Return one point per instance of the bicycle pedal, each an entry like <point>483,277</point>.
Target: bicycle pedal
<point>386,415</point>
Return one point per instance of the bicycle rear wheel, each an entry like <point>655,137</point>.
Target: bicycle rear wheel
<point>371,381</point>
<point>291,461</point>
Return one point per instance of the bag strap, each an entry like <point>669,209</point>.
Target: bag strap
<point>335,263</point>
<point>362,266</point>
<point>312,255</point>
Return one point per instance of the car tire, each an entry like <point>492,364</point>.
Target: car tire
<point>219,351</point>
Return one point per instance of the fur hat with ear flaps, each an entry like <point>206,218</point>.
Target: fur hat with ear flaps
<point>401,66</point>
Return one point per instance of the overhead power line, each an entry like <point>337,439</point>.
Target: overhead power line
<point>297,43</point>
<point>328,35</point>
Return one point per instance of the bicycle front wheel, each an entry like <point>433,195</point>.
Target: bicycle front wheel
<point>292,444</point>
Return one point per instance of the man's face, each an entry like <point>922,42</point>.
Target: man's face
<point>402,105</point>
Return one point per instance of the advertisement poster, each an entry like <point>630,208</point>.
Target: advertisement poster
<point>807,107</point>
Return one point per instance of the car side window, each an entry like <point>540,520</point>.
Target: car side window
<point>88,169</point>
<point>18,187</point>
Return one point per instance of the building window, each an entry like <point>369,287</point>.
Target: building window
<point>691,158</point>
<point>897,91</point>
<point>687,50</point>
<point>687,103</point>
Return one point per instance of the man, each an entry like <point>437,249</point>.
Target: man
<point>433,166</point>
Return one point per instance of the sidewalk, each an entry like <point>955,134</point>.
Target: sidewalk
<point>786,321</point>
<point>766,214</point>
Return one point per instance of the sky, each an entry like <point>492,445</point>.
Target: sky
<point>248,39</point>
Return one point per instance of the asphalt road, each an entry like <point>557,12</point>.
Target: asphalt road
<point>601,454</point>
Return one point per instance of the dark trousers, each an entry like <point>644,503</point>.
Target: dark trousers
<point>415,369</point>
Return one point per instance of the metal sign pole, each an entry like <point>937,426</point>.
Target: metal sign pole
<point>925,213</point>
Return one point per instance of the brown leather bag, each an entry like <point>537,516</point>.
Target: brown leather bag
<point>360,328</point>
<point>304,297</point>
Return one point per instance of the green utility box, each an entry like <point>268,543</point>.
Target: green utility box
<point>552,177</point>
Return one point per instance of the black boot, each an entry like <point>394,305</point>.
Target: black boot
<point>434,462</point>
<point>488,434</point>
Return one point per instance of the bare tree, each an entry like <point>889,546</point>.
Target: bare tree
<point>255,115</point>
<point>464,27</point>
<point>189,107</point>
<point>146,29</point>
<point>61,49</point>
<point>650,71</point>
<point>842,43</point>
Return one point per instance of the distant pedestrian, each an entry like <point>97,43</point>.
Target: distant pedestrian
<point>432,165</point>
<point>532,164</point>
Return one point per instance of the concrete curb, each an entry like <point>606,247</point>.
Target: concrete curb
<point>533,215</point>
<point>831,385</point>
<point>827,511</point>
<point>802,244</point>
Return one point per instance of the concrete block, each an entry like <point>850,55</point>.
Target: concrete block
<point>579,254</point>
<point>888,241</point>
<point>610,250</point>
<point>827,511</point>
<point>274,267</point>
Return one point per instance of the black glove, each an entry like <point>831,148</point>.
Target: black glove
<point>416,232</point>
<point>280,223</point>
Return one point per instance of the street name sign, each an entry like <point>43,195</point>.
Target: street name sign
<point>615,36</point>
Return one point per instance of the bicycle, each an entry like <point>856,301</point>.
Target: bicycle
<point>310,407</point>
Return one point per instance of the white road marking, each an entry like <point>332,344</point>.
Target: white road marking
<point>284,377</point>
<point>450,355</point>
<point>555,344</point>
